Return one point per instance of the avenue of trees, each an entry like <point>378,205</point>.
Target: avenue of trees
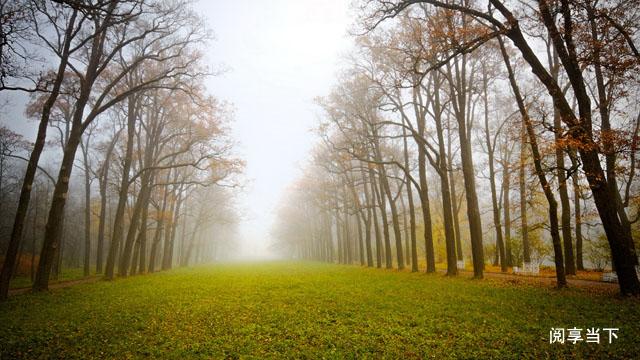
<point>486,131</point>
<point>132,169</point>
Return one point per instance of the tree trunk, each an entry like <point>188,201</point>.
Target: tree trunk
<point>32,166</point>
<point>376,226</point>
<point>578,220</point>
<point>565,215</point>
<point>412,211</point>
<point>368,219</point>
<point>103,181</point>
<point>423,192</point>
<point>142,202</point>
<point>118,222</point>
<point>524,224</point>
<point>53,229</point>
<point>170,234</point>
<point>506,186</point>
<point>87,210</point>
<point>385,223</point>
<point>468,171</point>
<point>500,253</point>
<point>537,161</point>
<point>142,239</point>
<point>454,196</point>
<point>442,168</point>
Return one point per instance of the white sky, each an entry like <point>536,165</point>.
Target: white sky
<point>281,54</point>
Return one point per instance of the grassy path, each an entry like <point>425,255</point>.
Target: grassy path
<point>284,309</point>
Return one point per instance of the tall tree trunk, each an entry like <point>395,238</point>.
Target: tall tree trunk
<point>167,259</point>
<point>118,222</point>
<point>380,194</point>
<point>347,230</point>
<point>166,248</point>
<point>341,240</point>
<point>135,258</point>
<point>423,192</point>
<point>412,211</point>
<point>360,240</point>
<point>459,103</point>
<point>32,165</point>
<point>537,161</point>
<point>375,196</point>
<point>351,183</point>
<point>35,235</point>
<point>142,239</point>
<point>153,253</point>
<point>454,196</point>
<point>394,220</point>
<point>442,168</point>
<point>53,229</point>
<point>565,215</point>
<point>141,203</point>
<point>103,180</point>
<point>406,248</point>
<point>159,227</point>
<point>500,253</point>
<point>386,190</point>
<point>524,224</point>
<point>87,209</point>
<point>506,191</point>
<point>578,221</point>
<point>369,217</point>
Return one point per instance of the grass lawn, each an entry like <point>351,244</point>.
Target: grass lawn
<point>66,274</point>
<point>294,310</point>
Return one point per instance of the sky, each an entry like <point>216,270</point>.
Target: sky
<point>280,54</point>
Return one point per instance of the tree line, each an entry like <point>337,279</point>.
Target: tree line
<point>121,81</point>
<point>462,121</point>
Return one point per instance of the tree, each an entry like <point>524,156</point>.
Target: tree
<point>160,39</point>
<point>66,22</point>
<point>566,39</point>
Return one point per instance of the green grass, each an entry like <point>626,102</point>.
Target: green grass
<point>309,310</point>
<point>66,274</point>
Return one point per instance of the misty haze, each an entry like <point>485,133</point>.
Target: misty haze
<point>319,179</point>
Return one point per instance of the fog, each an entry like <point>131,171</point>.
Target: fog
<point>278,56</point>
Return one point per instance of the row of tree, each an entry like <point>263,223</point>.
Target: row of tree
<point>126,89</point>
<point>446,108</point>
